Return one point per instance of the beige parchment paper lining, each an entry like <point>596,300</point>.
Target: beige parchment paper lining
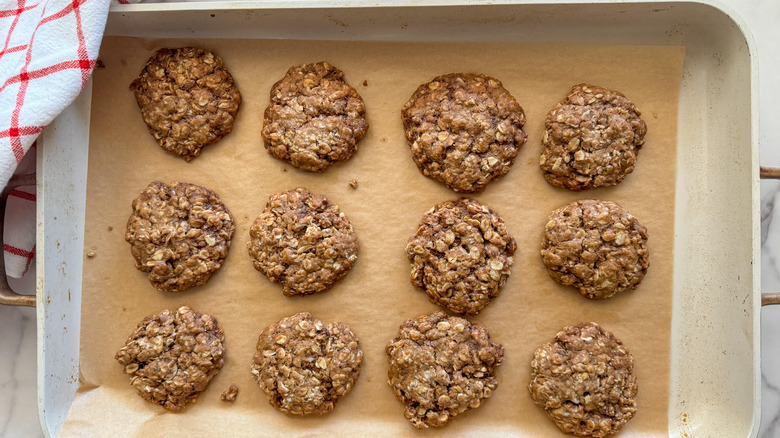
<point>385,210</point>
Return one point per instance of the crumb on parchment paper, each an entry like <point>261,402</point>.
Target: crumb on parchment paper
<point>230,394</point>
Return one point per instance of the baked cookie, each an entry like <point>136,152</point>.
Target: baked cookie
<point>179,233</point>
<point>442,366</point>
<point>464,130</point>
<point>302,242</point>
<point>461,255</point>
<point>592,139</point>
<point>187,98</point>
<point>305,366</point>
<point>597,247</point>
<point>585,381</point>
<point>172,357</point>
<point>314,119</point>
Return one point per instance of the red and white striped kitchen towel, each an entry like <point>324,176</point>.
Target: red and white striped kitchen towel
<point>48,49</point>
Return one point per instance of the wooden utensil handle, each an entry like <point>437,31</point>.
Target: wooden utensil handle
<point>770,173</point>
<point>11,298</point>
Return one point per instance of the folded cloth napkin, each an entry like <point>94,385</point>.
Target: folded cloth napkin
<point>19,219</point>
<point>48,49</point>
<point>19,231</point>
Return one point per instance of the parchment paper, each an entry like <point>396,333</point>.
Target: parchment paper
<point>385,210</point>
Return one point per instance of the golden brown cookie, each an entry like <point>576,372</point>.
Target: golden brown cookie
<point>315,118</point>
<point>442,366</point>
<point>592,139</point>
<point>305,366</point>
<point>461,255</point>
<point>171,357</point>
<point>187,98</point>
<point>464,130</point>
<point>584,380</point>
<point>597,247</point>
<point>302,242</point>
<point>179,234</point>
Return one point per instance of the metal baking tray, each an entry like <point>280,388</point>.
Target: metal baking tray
<point>715,377</point>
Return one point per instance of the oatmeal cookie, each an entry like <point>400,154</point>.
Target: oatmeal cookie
<point>464,130</point>
<point>187,98</point>
<point>442,366</point>
<point>585,381</point>
<point>172,357</point>
<point>302,242</point>
<point>461,255</point>
<point>597,247</point>
<point>304,366</point>
<point>592,139</point>
<point>314,119</point>
<point>179,233</point>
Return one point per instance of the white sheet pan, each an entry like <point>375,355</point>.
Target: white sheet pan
<point>715,376</point>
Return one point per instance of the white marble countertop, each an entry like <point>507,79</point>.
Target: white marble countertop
<point>18,398</point>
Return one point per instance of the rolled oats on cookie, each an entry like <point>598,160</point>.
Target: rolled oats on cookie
<point>464,130</point>
<point>179,234</point>
<point>187,98</point>
<point>597,247</point>
<point>442,366</point>
<point>171,357</point>
<point>592,139</point>
<point>305,366</point>
<point>315,118</point>
<point>584,380</point>
<point>303,242</point>
<point>461,255</point>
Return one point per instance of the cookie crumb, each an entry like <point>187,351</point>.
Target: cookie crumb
<point>365,83</point>
<point>90,255</point>
<point>231,394</point>
<point>353,183</point>
<point>99,65</point>
<point>110,228</point>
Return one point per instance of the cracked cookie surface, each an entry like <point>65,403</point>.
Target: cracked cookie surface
<point>592,139</point>
<point>187,98</point>
<point>315,118</point>
<point>171,357</point>
<point>305,366</point>
<point>464,130</point>
<point>179,234</point>
<point>597,247</point>
<point>442,366</point>
<point>461,255</point>
<point>584,381</point>
<point>303,242</point>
